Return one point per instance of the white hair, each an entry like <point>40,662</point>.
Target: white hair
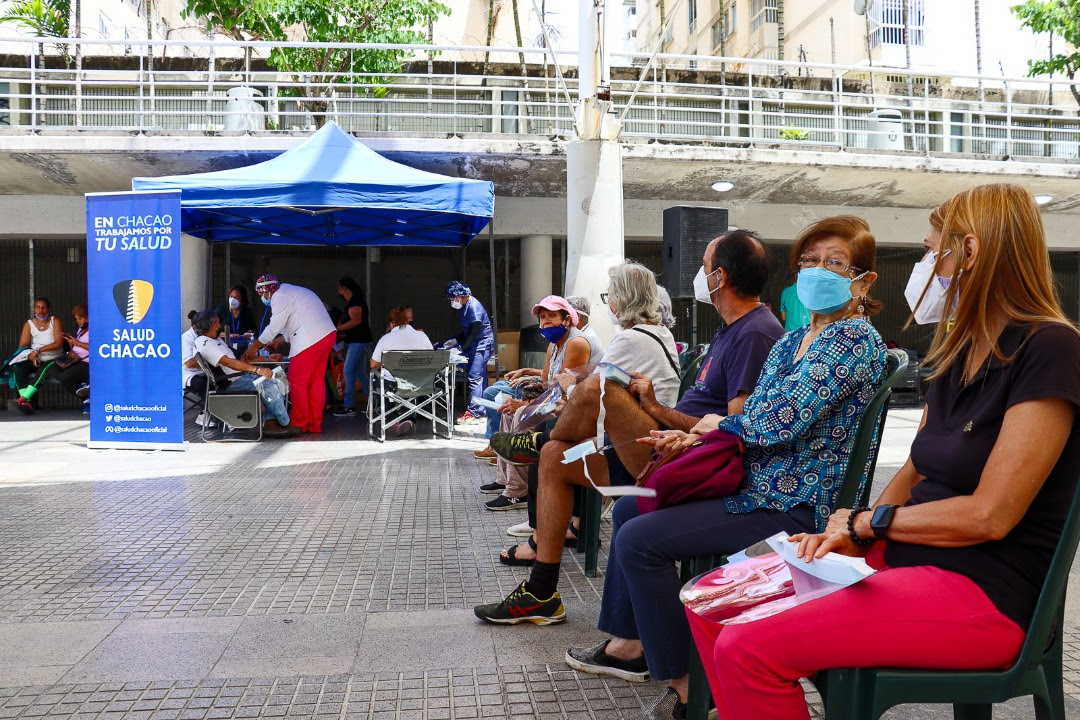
<point>632,288</point>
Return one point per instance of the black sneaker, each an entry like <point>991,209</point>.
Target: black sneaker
<point>522,606</point>
<point>517,448</point>
<point>492,488</point>
<point>666,707</point>
<point>506,503</point>
<point>595,660</point>
<point>345,412</point>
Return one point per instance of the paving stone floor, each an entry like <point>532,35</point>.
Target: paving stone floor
<point>326,577</point>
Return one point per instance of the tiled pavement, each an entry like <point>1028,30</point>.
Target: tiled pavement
<point>315,578</point>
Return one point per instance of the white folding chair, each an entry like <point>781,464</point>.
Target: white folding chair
<point>238,409</point>
<point>422,386</point>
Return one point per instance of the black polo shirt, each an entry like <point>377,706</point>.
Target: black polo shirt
<point>962,426</point>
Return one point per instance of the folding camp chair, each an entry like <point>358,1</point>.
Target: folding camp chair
<point>422,386</point>
<point>241,410</point>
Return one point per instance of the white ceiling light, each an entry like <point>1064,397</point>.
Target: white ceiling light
<point>723,185</point>
<point>1043,199</point>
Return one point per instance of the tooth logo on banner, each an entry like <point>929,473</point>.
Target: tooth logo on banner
<point>133,298</point>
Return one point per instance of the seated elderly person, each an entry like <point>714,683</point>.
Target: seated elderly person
<point>964,533</point>
<point>511,382</point>
<point>401,336</point>
<point>734,270</point>
<point>44,335</point>
<point>569,350</point>
<point>237,375</point>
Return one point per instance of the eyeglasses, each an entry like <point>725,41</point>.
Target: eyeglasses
<point>836,265</point>
<point>604,297</point>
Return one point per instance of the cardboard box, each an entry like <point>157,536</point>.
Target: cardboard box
<point>509,346</point>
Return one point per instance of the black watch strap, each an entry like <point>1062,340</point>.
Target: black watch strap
<point>882,519</point>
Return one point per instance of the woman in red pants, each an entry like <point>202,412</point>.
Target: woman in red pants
<point>964,534</point>
<point>300,317</point>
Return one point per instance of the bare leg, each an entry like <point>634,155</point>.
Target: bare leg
<point>624,649</point>
<point>555,496</point>
<point>680,686</point>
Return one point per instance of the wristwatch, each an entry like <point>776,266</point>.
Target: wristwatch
<point>882,519</point>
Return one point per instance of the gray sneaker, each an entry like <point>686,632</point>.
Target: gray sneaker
<point>595,660</point>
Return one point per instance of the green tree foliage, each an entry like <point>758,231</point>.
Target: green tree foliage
<point>1062,18</point>
<point>341,21</point>
<point>44,18</point>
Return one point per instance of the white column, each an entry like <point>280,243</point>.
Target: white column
<point>535,274</point>
<point>194,259</point>
<point>594,222</point>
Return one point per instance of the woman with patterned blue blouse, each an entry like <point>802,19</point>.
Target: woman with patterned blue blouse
<point>798,426</point>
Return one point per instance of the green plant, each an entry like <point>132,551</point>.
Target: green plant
<point>794,133</point>
<point>1061,18</point>
<point>322,70</point>
<point>44,18</point>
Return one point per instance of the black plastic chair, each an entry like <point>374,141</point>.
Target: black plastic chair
<point>866,693</point>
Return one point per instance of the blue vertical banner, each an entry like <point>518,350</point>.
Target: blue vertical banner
<point>133,288</point>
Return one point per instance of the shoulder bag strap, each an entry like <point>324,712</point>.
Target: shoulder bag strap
<point>663,346</point>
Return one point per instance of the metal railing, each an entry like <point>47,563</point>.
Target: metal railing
<point>516,91</point>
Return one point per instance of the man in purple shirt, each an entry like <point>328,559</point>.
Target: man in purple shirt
<point>735,269</point>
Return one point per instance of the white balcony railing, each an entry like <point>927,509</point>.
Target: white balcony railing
<point>518,91</point>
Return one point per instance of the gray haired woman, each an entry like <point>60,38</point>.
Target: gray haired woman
<point>644,343</point>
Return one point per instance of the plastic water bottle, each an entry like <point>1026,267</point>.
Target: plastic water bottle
<point>281,379</point>
<point>271,395</point>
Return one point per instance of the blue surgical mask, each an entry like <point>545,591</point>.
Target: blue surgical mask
<point>823,291</point>
<point>42,318</point>
<point>554,333</point>
<point>266,300</point>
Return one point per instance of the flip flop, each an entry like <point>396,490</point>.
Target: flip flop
<point>572,542</point>
<point>511,558</point>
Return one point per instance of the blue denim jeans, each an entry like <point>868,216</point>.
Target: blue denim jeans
<point>354,358</point>
<point>489,394</point>
<point>477,368</point>
<point>641,585</point>
<point>273,400</point>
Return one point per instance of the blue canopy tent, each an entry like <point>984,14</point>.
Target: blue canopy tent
<point>331,190</point>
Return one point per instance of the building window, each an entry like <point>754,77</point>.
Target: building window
<point>732,18</point>
<point>692,7</point>
<point>717,32</point>
<point>103,25</point>
<point>761,12</point>
<point>693,63</point>
<point>887,22</point>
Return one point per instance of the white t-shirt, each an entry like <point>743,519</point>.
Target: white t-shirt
<point>403,337</point>
<point>212,350</point>
<point>634,352</point>
<point>187,351</point>
<point>300,316</point>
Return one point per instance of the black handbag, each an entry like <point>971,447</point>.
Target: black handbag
<point>67,360</point>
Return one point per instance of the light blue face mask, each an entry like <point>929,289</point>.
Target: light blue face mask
<point>266,300</point>
<point>823,291</point>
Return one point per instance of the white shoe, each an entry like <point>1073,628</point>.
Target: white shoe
<point>203,420</point>
<point>520,530</point>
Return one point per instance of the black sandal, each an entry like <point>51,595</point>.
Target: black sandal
<point>572,542</point>
<point>511,558</point>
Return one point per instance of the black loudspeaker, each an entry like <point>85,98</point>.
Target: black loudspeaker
<point>687,232</point>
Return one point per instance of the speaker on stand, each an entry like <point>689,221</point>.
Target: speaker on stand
<point>688,231</point>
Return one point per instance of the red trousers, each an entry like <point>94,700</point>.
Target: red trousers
<point>920,617</point>
<point>307,385</point>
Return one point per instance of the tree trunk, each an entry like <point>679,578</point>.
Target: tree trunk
<point>524,66</point>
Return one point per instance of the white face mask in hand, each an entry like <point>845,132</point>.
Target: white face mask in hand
<point>932,307</point>
<point>701,285</point>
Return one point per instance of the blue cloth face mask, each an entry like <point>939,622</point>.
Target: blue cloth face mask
<point>553,333</point>
<point>823,291</point>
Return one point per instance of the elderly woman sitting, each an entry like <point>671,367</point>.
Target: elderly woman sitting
<point>964,533</point>
<point>798,426</point>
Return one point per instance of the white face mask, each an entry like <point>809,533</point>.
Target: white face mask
<point>932,307</point>
<point>701,285</point>
<point>234,303</point>
<point>614,318</point>
<point>456,304</point>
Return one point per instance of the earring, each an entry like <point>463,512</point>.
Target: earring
<point>861,309</point>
